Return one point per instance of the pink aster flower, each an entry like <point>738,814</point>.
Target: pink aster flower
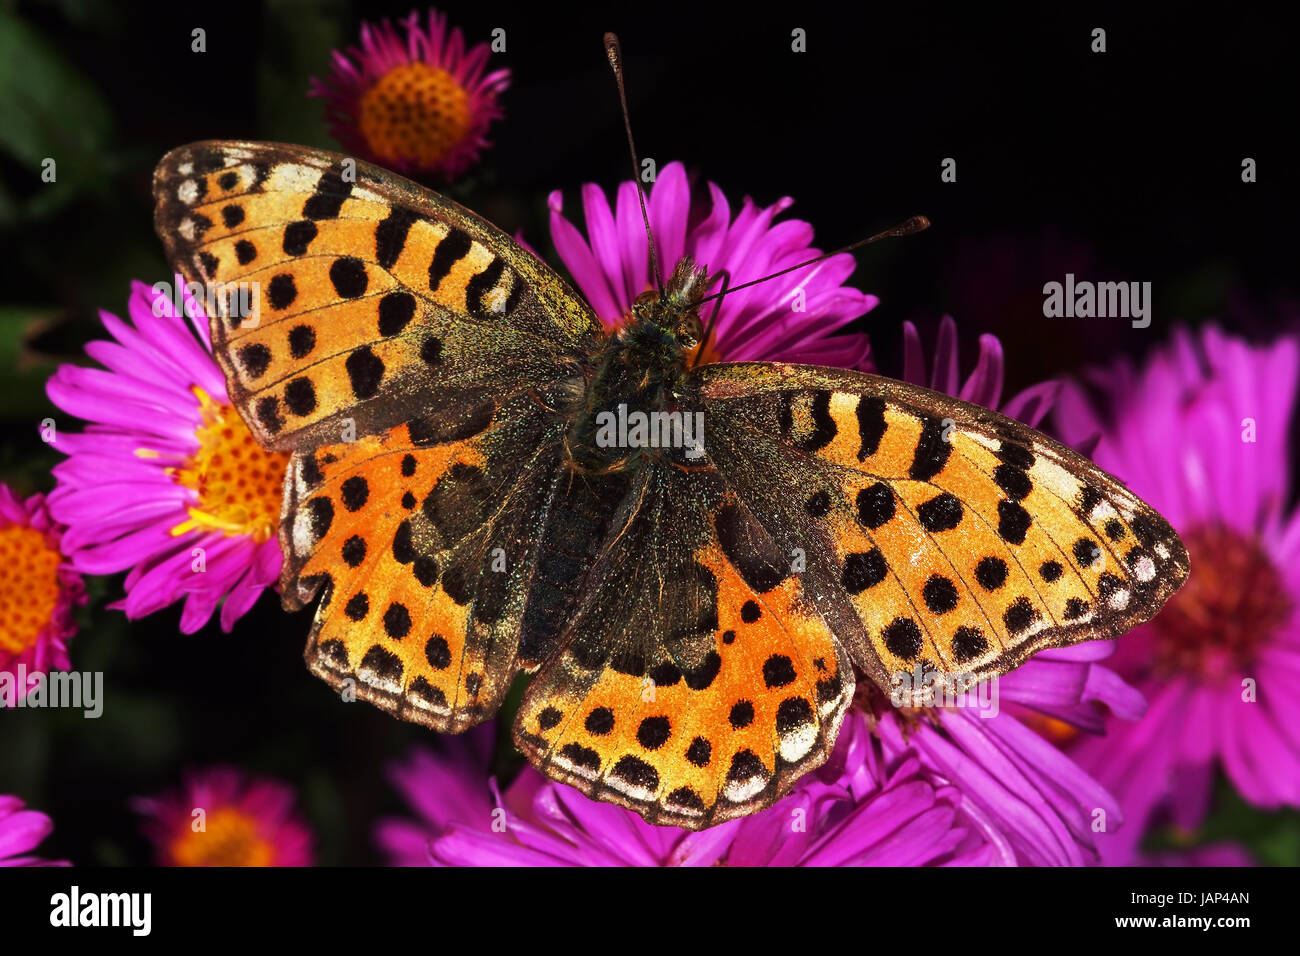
<point>166,481</point>
<point>1212,854</point>
<point>413,98</point>
<point>450,786</point>
<point>1200,432</point>
<point>38,591</point>
<point>20,831</point>
<point>792,318</point>
<point>223,817</point>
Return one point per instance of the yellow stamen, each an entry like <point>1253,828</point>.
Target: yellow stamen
<point>238,483</point>
<point>416,113</point>
<point>29,587</point>
<point>230,838</point>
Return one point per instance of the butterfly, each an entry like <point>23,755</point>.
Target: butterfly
<point>695,615</point>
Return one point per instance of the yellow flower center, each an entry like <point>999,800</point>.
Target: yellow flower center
<point>415,113</point>
<point>29,588</point>
<point>237,481</point>
<point>230,838</point>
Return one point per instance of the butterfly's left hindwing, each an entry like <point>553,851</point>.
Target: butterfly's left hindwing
<point>345,299</point>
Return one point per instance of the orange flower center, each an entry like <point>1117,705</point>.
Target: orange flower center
<point>29,588</point>
<point>237,481</point>
<point>1233,602</point>
<point>415,113</point>
<point>230,838</point>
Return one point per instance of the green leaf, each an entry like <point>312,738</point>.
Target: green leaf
<point>299,40</point>
<point>23,396</point>
<point>48,111</point>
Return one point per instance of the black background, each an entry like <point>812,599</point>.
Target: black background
<point>1117,166</point>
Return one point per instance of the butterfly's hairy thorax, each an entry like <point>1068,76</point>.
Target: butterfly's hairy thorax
<point>639,371</point>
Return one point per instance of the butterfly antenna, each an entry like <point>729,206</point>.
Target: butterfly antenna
<point>910,227</point>
<point>615,54</point>
<point>725,275</point>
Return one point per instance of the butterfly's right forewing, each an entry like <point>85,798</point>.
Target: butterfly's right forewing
<point>963,541</point>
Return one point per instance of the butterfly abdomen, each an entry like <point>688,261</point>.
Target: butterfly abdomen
<point>579,520</point>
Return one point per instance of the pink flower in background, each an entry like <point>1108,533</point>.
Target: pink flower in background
<point>412,98</point>
<point>611,267</point>
<point>167,481</point>
<point>1200,432</point>
<point>38,591</point>
<point>1212,854</point>
<point>20,832</point>
<point>223,817</point>
<point>449,786</point>
<point>984,384</point>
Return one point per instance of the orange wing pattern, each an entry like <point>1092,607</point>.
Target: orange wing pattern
<point>423,541</point>
<point>698,679</point>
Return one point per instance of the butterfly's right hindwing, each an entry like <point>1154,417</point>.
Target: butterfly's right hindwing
<point>424,542</point>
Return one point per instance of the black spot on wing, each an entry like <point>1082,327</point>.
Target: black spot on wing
<point>396,309</point>
<point>390,235</point>
<point>481,284</point>
<point>365,370</point>
<point>931,452</point>
<point>450,250</point>
<point>871,425</point>
<point>298,236</point>
<point>331,192</point>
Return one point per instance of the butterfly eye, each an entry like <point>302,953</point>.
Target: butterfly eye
<point>689,331</point>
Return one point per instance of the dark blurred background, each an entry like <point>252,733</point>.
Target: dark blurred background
<point>1117,166</point>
